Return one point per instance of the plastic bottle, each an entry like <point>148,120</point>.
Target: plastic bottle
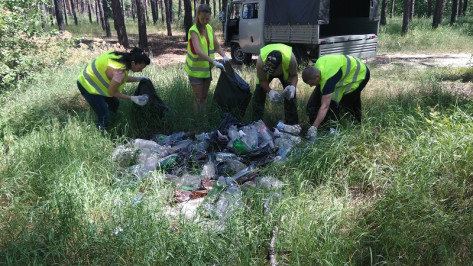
<point>224,156</point>
<point>208,170</point>
<point>244,172</point>
<point>241,147</point>
<point>266,135</point>
<point>144,144</point>
<point>229,201</point>
<point>285,147</point>
<point>168,161</point>
<point>293,129</point>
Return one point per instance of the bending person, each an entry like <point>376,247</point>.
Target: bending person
<point>276,61</point>
<point>338,80</point>
<point>104,78</point>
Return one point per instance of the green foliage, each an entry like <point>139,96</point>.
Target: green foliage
<point>22,45</point>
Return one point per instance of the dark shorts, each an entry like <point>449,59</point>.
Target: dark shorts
<point>199,81</point>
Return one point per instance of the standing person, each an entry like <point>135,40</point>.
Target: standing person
<point>200,58</point>
<point>276,61</point>
<point>339,80</point>
<point>104,78</point>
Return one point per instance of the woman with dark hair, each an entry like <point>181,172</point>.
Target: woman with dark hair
<point>104,78</point>
<point>200,58</point>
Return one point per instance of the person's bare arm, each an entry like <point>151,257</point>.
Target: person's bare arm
<point>116,77</point>
<point>324,106</point>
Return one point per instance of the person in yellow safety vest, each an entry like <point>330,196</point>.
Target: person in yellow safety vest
<point>102,81</point>
<point>200,58</point>
<point>338,80</point>
<point>276,61</point>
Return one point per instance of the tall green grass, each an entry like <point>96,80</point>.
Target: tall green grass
<point>396,189</point>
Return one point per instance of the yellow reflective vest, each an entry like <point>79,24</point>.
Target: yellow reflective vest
<point>94,78</point>
<point>286,52</point>
<point>196,66</point>
<point>353,73</point>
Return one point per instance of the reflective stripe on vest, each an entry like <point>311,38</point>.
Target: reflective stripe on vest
<point>195,65</point>
<point>347,83</point>
<point>93,77</point>
<point>286,52</point>
<point>92,82</point>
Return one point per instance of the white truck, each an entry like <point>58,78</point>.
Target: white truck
<point>313,28</point>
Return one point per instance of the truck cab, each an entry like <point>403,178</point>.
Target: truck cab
<point>312,27</point>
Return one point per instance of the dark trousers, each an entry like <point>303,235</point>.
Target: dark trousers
<point>290,106</point>
<point>350,102</point>
<point>101,105</point>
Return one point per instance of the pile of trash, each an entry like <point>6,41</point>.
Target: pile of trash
<point>218,166</point>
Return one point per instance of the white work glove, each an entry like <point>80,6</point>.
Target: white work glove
<point>218,65</point>
<point>140,99</point>
<point>140,78</point>
<point>289,92</point>
<point>312,132</point>
<point>226,59</point>
<point>274,96</point>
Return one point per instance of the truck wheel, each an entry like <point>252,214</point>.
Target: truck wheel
<point>240,57</point>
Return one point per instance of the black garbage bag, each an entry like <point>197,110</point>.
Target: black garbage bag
<point>232,94</point>
<point>146,118</point>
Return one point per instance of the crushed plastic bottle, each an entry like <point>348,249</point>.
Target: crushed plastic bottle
<point>228,202</point>
<point>265,134</point>
<point>144,144</point>
<point>224,156</point>
<point>293,129</point>
<point>284,147</point>
<point>209,169</point>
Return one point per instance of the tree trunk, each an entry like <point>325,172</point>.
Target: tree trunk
<point>133,9</point>
<point>224,5</point>
<point>383,12</point>
<point>162,10</point>
<point>460,8</point>
<point>429,8</point>
<point>119,23</point>
<point>215,10</point>
<point>411,11</point>
<point>153,11</point>
<point>89,11</point>
<point>179,10</point>
<point>438,13</point>
<point>171,15</point>
<point>405,16</point>
<point>465,4</point>
<point>65,11</point>
<point>392,9</point>
<point>145,3</point>
<point>100,13</point>
<point>453,17</point>
<point>187,17</point>
<point>73,8</point>
<point>59,18</point>
<point>43,15</point>
<point>167,5</point>
<point>105,18</point>
<point>140,12</point>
